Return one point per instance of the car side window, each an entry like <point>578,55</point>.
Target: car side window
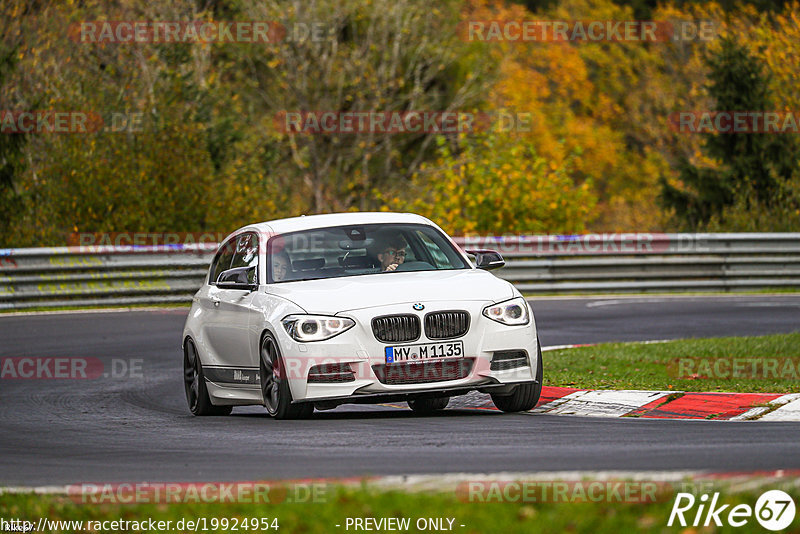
<point>222,262</point>
<point>246,255</point>
<point>439,258</point>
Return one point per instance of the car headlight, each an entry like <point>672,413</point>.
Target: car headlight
<point>510,312</point>
<point>315,327</point>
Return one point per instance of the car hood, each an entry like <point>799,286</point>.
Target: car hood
<point>333,295</point>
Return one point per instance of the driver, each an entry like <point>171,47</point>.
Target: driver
<point>392,254</point>
<point>280,265</point>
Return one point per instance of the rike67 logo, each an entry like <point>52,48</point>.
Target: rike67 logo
<point>774,510</point>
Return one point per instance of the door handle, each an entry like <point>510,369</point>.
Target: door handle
<point>215,300</point>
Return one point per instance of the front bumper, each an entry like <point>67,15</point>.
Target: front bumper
<point>365,356</point>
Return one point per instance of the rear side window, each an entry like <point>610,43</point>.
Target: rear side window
<point>246,255</point>
<point>223,260</point>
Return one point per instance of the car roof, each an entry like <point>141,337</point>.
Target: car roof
<point>308,222</point>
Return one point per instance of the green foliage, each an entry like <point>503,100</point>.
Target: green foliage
<point>493,184</point>
<point>211,156</point>
<point>754,167</point>
<point>11,156</point>
<point>643,9</point>
<point>386,55</point>
<point>746,215</point>
<point>121,182</point>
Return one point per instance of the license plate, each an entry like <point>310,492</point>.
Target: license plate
<point>428,351</point>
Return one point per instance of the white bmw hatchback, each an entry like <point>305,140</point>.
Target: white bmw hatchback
<point>318,311</point>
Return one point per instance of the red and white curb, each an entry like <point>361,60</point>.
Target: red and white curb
<point>788,409</point>
<point>653,404</point>
<point>599,403</point>
<point>671,405</point>
<point>660,404</point>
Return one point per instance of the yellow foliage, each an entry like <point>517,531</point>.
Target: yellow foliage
<point>578,95</point>
<point>496,185</point>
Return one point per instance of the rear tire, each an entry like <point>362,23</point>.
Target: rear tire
<point>525,396</point>
<point>275,384</point>
<point>428,406</point>
<point>194,383</point>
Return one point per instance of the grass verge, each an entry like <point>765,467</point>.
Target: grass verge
<point>608,514</point>
<point>717,364</point>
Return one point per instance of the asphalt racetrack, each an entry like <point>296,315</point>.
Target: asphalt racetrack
<point>139,429</point>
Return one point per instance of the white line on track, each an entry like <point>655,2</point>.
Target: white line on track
<point>648,342</point>
<point>599,301</point>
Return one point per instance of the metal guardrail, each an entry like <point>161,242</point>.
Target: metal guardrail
<point>591,263</point>
<point>99,276</point>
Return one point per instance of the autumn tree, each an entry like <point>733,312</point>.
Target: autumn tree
<point>211,157</point>
<point>753,165</point>
<point>381,56</point>
<point>493,183</point>
<point>11,155</point>
<point>584,97</point>
<point>154,176</point>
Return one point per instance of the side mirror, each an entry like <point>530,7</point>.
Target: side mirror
<point>238,278</point>
<point>487,259</point>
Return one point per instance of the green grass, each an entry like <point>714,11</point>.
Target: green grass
<point>646,366</point>
<point>344,502</point>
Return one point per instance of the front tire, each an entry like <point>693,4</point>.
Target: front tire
<point>194,383</point>
<point>525,396</point>
<point>275,384</point>
<point>428,406</point>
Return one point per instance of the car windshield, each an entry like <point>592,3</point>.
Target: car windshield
<point>358,250</point>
